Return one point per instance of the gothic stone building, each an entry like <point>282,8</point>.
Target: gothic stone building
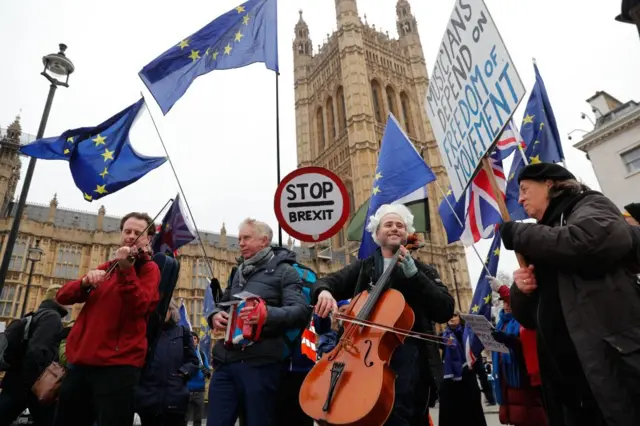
<point>75,242</point>
<point>344,91</point>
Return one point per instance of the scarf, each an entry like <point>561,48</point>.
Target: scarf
<point>249,266</point>
<point>505,366</point>
<point>454,359</point>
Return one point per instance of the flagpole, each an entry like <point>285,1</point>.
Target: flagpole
<point>462,225</point>
<point>175,174</point>
<point>278,143</point>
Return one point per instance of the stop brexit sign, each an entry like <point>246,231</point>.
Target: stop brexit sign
<point>311,204</point>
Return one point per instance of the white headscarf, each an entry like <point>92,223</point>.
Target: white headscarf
<point>385,209</point>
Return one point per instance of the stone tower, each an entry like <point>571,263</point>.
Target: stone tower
<point>343,94</point>
<point>9,164</point>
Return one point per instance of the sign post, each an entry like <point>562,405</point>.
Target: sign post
<point>473,91</point>
<point>311,204</point>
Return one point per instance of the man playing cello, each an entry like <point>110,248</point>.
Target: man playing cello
<point>422,289</point>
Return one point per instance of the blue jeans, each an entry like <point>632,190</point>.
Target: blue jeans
<point>244,386</point>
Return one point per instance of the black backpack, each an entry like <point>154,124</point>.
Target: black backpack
<point>13,342</point>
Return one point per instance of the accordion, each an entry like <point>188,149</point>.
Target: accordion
<point>241,334</point>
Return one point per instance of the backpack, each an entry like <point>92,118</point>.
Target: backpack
<point>13,342</point>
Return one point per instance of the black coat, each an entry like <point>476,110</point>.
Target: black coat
<point>424,292</point>
<point>590,251</point>
<point>163,384</point>
<point>42,347</point>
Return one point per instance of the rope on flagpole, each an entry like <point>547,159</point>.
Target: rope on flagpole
<point>461,224</point>
<point>175,174</point>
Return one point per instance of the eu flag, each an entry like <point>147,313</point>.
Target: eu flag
<point>205,330</point>
<point>540,133</point>
<point>101,158</point>
<point>401,171</point>
<point>481,302</point>
<point>184,317</point>
<point>242,36</point>
<point>176,230</point>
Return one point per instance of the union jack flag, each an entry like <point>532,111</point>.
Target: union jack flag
<point>474,215</point>
<point>175,230</point>
<point>509,140</point>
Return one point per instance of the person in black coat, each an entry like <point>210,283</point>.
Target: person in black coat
<point>41,350</point>
<point>579,293</point>
<point>162,396</point>
<point>422,289</point>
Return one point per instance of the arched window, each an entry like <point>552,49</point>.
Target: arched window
<point>376,92</point>
<point>68,261</point>
<point>331,119</point>
<point>342,110</point>
<point>406,113</point>
<point>391,101</point>
<point>320,130</point>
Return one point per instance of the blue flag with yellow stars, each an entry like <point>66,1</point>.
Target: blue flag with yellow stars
<point>401,171</point>
<point>540,133</point>
<point>241,37</point>
<point>205,331</point>
<point>482,300</point>
<point>101,158</point>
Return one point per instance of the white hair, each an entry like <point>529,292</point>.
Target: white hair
<point>385,209</point>
<point>262,228</point>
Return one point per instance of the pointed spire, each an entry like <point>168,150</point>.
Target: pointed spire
<point>53,206</point>
<point>14,131</point>
<point>54,200</point>
<point>223,230</point>
<point>223,236</point>
<point>302,43</point>
<point>100,219</point>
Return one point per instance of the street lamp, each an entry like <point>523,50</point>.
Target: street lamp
<point>35,255</point>
<point>452,262</point>
<point>56,65</point>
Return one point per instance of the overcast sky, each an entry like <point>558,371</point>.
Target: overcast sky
<point>221,135</point>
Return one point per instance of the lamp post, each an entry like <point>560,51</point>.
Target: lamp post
<point>452,262</point>
<point>56,65</point>
<point>35,255</point>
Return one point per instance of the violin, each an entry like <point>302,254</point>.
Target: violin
<point>354,384</point>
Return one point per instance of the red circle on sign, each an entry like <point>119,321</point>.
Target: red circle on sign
<point>331,231</point>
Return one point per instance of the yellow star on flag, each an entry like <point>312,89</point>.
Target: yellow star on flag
<point>104,173</point>
<point>239,36</point>
<point>475,309</point>
<point>99,140</point>
<point>70,139</point>
<point>195,55</point>
<point>449,192</point>
<point>215,55</point>
<point>88,197</point>
<point>378,176</point>
<point>496,252</point>
<point>245,20</point>
<point>541,125</point>
<point>66,151</point>
<point>512,175</point>
<point>107,155</point>
<point>240,9</point>
<point>100,189</point>
<point>528,119</point>
<point>376,189</point>
<point>227,49</point>
<point>535,160</point>
<point>487,299</point>
<point>183,44</point>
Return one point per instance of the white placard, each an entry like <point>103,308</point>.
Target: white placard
<point>482,328</point>
<point>473,91</point>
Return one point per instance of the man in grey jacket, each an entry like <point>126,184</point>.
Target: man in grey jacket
<point>247,374</point>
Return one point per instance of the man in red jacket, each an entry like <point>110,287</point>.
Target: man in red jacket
<point>107,345</point>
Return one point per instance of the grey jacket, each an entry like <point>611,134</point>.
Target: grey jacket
<point>280,286</point>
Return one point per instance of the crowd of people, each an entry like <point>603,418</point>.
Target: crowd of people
<point>570,319</point>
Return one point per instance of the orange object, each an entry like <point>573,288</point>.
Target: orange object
<point>308,343</point>
<point>353,384</point>
<point>430,420</point>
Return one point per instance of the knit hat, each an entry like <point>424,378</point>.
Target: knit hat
<point>543,171</point>
<point>634,210</point>
<point>51,292</point>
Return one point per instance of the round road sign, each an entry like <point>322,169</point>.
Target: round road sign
<point>311,204</point>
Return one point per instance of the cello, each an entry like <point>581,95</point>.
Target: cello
<point>353,384</point>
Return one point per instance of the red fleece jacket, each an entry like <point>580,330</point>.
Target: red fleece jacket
<point>111,328</point>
